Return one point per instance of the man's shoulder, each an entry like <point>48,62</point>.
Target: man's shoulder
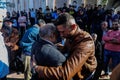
<point>42,45</point>
<point>47,46</point>
<point>32,30</point>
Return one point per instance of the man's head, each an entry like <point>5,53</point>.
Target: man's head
<point>41,22</point>
<point>104,25</point>
<point>115,25</point>
<point>66,25</point>
<point>48,32</point>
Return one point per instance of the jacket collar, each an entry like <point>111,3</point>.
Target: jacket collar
<point>46,41</point>
<point>77,32</point>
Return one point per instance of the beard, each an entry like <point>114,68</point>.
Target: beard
<point>68,36</point>
<point>115,28</point>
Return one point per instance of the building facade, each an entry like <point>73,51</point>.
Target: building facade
<point>19,5</point>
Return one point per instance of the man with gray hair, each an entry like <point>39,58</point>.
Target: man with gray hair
<point>44,49</point>
<point>30,36</point>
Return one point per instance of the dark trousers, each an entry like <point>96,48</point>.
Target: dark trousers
<point>115,56</point>
<point>98,71</point>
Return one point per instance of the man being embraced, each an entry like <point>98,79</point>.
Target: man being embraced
<point>44,50</point>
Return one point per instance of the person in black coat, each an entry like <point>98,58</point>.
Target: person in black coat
<point>45,51</point>
<point>99,57</point>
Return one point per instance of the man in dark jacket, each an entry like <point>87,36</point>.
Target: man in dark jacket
<point>44,49</point>
<point>81,61</point>
<point>99,57</point>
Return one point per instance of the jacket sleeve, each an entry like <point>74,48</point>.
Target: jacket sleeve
<point>106,37</point>
<point>72,66</point>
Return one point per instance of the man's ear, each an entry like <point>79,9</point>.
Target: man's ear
<point>73,26</point>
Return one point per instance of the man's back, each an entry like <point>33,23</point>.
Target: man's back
<point>46,54</point>
<point>29,38</point>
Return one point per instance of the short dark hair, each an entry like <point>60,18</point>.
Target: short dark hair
<point>64,18</point>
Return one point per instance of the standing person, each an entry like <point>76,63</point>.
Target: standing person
<point>11,39</point>
<point>26,42</point>
<point>104,30</point>
<point>81,61</point>
<point>112,46</point>
<point>22,21</point>
<point>44,49</point>
<point>99,57</point>
<point>4,65</point>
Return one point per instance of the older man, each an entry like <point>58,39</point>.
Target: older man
<point>81,61</point>
<point>45,51</point>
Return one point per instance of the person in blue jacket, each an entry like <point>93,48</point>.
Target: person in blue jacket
<point>26,43</point>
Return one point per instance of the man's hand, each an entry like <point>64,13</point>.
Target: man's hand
<point>15,47</point>
<point>33,65</point>
<point>59,46</point>
<point>114,40</point>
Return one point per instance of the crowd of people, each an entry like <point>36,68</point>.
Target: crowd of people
<point>67,43</point>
